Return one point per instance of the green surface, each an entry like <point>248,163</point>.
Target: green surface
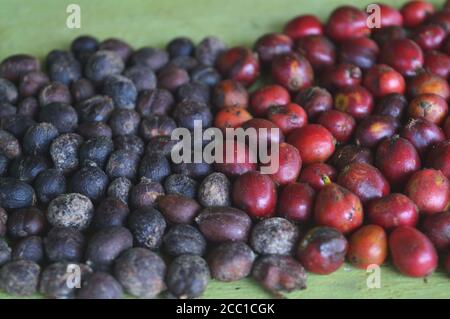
<point>36,26</point>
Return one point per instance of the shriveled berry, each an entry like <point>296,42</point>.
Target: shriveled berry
<point>181,184</point>
<point>100,285</point>
<point>20,277</point>
<point>102,64</point>
<point>29,248</point>
<point>215,190</point>
<point>122,163</point>
<point>64,151</point>
<point>184,239</point>
<point>49,184</point>
<point>64,244</point>
<point>147,226</point>
<point>70,210</point>
<point>274,236</point>
<point>120,188</point>
<point>26,222</point>
<point>16,194</point>
<point>110,212</point>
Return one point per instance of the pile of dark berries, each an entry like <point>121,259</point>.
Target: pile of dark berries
<point>87,179</point>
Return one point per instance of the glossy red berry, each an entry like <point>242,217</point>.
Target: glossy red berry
<point>439,157</point>
<point>429,106</point>
<point>430,36</point>
<point>239,64</point>
<point>318,50</point>
<point>437,229</point>
<point>368,246</point>
<point>302,26</point>
<point>415,12</point>
<point>317,175</point>
<point>314,100</point>
<point>356,101</point>
<point>382,80</point>
<point>272,44</point>
<point>437,63</point>
<point>341,76</point>
<point>362,52</point>
<point>374,129</point>
<point>340,124</point>
<point>314,142</point>
<point>412,252</point>
<point>265,130</point>
<point>347,22</point>
<point>296,202</point>
<point>292,71</point>
<point>422,134</point>
<point>390,16</point>
<point>430,190</point>
<point>392,211</point>
<point>268,96</point>
<point>403,55</point>
<point>289,165</point>
<point>256,194</point>
<point>287,117</point>
<point>428,83</point>
<point>339,208</point>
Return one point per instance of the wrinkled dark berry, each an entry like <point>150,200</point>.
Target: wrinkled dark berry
<point>153,58</point>
<point>100,285</point>
<point>187,276</point>
<point>64,151</point>
<point>15,194</point>
<point>154,102</point>
<point>4,162</point>
<point>38,138</point>
<point>3,222</point>
<point>180,46</point>
<point>141,272</point>
<point>28,107</point>
<point>147,226</point>
<point>121,90</point>
<point>62,116</point>
<point>17,124</point>
<point>145,193</point>
<point>5,252</point>
<point>110,212</point>
<point>26,222</point>
<point>94,129</point>
<point>32,82</point>
<point>192,169</point>
<point>155,125</point>
<point>64,244</point>
<point>27,168</point>
<point>63,67</point>
<point>184,239</point>
<point>15,66</point>
<point>7,109</point>
<point>193,91</point>
<point>8,91</point>
<point>122,163</point>
<point>29,248</point>
<point>209,49</point>
<point>82,90</point>
<point>83,47</point>
<point>178,209</point>
<point>97,108</point>
<point>123,122</point>
<point>9,145</point>
<point>49,184</point>
<point>215,190</point>
<point>206,75</point>
<point>171,78</point>
<point>231,261</point>
<point>54,92</point>
<point>90,181</point>
<point>102,64</point>
<point>274,236</point>
<point>131,143</point>
<point>120,47</point>
<point>349,154</point>
<point>181,184</point>
<point>120,188</point>
<point>155,167</point>
<point>97,150</point>
<point>106,245</point>
<point>20,277</point>
<point>143,77</point>
<point>70,210</point>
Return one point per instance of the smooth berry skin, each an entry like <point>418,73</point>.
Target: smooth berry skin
<point>422,134</point>
<point>368,246</point>
<point>427,83</point>
<point>430,37</point>
<point>429,189</point>
<point>439,157</point>
<point>437,63</point>
<point>317,175</point>
<point>382,80</point>
<point>339,208</point>
<point>272,44</point>
<point>314,142</point>
<point>437,229</point>
<point>356,101</point>
<point>292,71</point>
<point>255,193</point>
<point>397,159</point>
<point>239,64</point>
<point>296,202</point>
<point>340,76</point>
<point>262,99</point>
<point>303,26</point>
<point>429,106</point>
<point>340,124</point>
<point>287,117</point>
<point>242,160</point>
<point>318,49</point>
<point>347,22</point>
<point>404,55</point>
<point>412,252</point>
<point>289,165</point>
<point>390,16</point>
<point>392,211</point>
<point>416,12</point>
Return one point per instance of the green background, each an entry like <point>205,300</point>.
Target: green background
<point>36,26</point>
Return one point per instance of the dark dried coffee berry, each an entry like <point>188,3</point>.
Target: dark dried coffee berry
<point>130,143</point>
<point>193,91</point>
<point>97,150</point>
<point>64,151</point>
<point>143,77</point>
<point>178,209</point>
<point>8,91</point>
<point>54,92</point>
<point>184,239</point>
<point>156,125</point>
<point>186,112</point>
<point>64,244</point>
<point>38,138</point>
<point>155,167</point>
<point>231,261</point>
<point>206,75</point>
<point>274,236</point>
<point>145,193</point>
<point>29,106</point>
<point>279,273</point>
<point>32,82</point>
<point>121,90</point>
<point>4,162</point>
<point>192,169</point>
<point>9,145</point>
<point>26,222</point>
<point>110,212</point>
<point>187,63</point>
<point>62,116</point>
<point>100,285</point>
<point>141,272</point>
<point>55,278</point>
<point>215,191</point>
<point>120,47</point>
<point>120,188</point>
<point>102,64</point>
<point>187,276</point>
<point>220,224</point>
<point>29,248</point>
<point>15,194</point>
<point>148,226</point>
<point>49,184</point>
<point>82,90</point>
<point>161,144</point>
<point>181,184</point>
<point>90,181</point>
<point>123,122</point>
<point>122,163</point>
<point>154,102</point>
<point>5,252</point>
<point>17,124</point>
<point>63,67</point>
<point>27,168</point>
<point>153,58</point>
<point>106,245</point>
<point>171,78</point>
<point>83,47</point>
<point>20,277</point>
<point>180,46</point>
<point>70,210</point>
<point>7,109</point>
<point>3,222</point>
<point>15,66</point>
<point>97,108</point>
<point>93,129</point>
<point>209,49</point>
